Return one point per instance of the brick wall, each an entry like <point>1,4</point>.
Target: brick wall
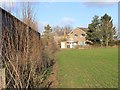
<point>79,37</point>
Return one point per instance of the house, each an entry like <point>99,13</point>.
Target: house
<point>76,37</point>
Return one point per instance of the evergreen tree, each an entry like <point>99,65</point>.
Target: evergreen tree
<point>107,29</point>
<point>93,30</point>
<point>47,33</point>
<point>101,31</point>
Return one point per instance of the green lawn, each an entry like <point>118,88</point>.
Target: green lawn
<point>88,68</point>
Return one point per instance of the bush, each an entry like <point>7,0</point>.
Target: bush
<point>113,43</point>
<point>63,39</point>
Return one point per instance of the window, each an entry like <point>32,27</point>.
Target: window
<point>70,39</point>
<point>68,46</point>
<point>82,43</point>
<point>82,35</point>
<point>75,43</point>
<point>75,35</point>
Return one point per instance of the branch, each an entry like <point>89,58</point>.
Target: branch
<point>14,70</point>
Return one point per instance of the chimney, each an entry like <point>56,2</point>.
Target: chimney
<point>65,33</point>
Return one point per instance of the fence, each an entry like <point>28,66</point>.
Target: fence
<point>18,42</point>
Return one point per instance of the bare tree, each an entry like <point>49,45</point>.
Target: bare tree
<point>28,15</point>
<point>8,5</point>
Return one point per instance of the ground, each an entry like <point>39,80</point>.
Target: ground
<point>88,68</point>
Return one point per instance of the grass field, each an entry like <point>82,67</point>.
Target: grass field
<point>89,68</point>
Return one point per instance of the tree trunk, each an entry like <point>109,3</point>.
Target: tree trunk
<point>106,42</point>
<point>101,43</point>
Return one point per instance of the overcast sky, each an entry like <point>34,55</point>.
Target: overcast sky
<point>75,14</point>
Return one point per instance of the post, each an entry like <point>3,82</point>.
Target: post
<point>2,70</point>
<point>2,78</point>
<point>1,64</point>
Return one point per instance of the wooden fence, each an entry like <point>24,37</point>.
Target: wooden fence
<point>16,38</point>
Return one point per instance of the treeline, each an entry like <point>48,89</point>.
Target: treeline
<point>102,32</point>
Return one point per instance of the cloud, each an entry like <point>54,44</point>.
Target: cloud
<point>67,21</point>
<point>98,4</point>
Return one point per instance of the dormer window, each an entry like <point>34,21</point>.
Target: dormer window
<point>75,35</point>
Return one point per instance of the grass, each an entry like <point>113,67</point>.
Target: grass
<point>89,68</point>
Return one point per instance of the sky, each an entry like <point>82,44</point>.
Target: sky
<point>74,14</point>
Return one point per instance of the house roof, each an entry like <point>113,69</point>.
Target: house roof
<point>83,29</point>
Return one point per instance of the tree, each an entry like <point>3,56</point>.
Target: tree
<point>60,31</point>
<point>47,33</point>
<point>93,30</point>
<point>118,35</point>
<point>49,42</point>
<point>101,31</point>
<point>107,29</point>
<point>28,15</point>
<point>67,28</point>
<point>8,6</point>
